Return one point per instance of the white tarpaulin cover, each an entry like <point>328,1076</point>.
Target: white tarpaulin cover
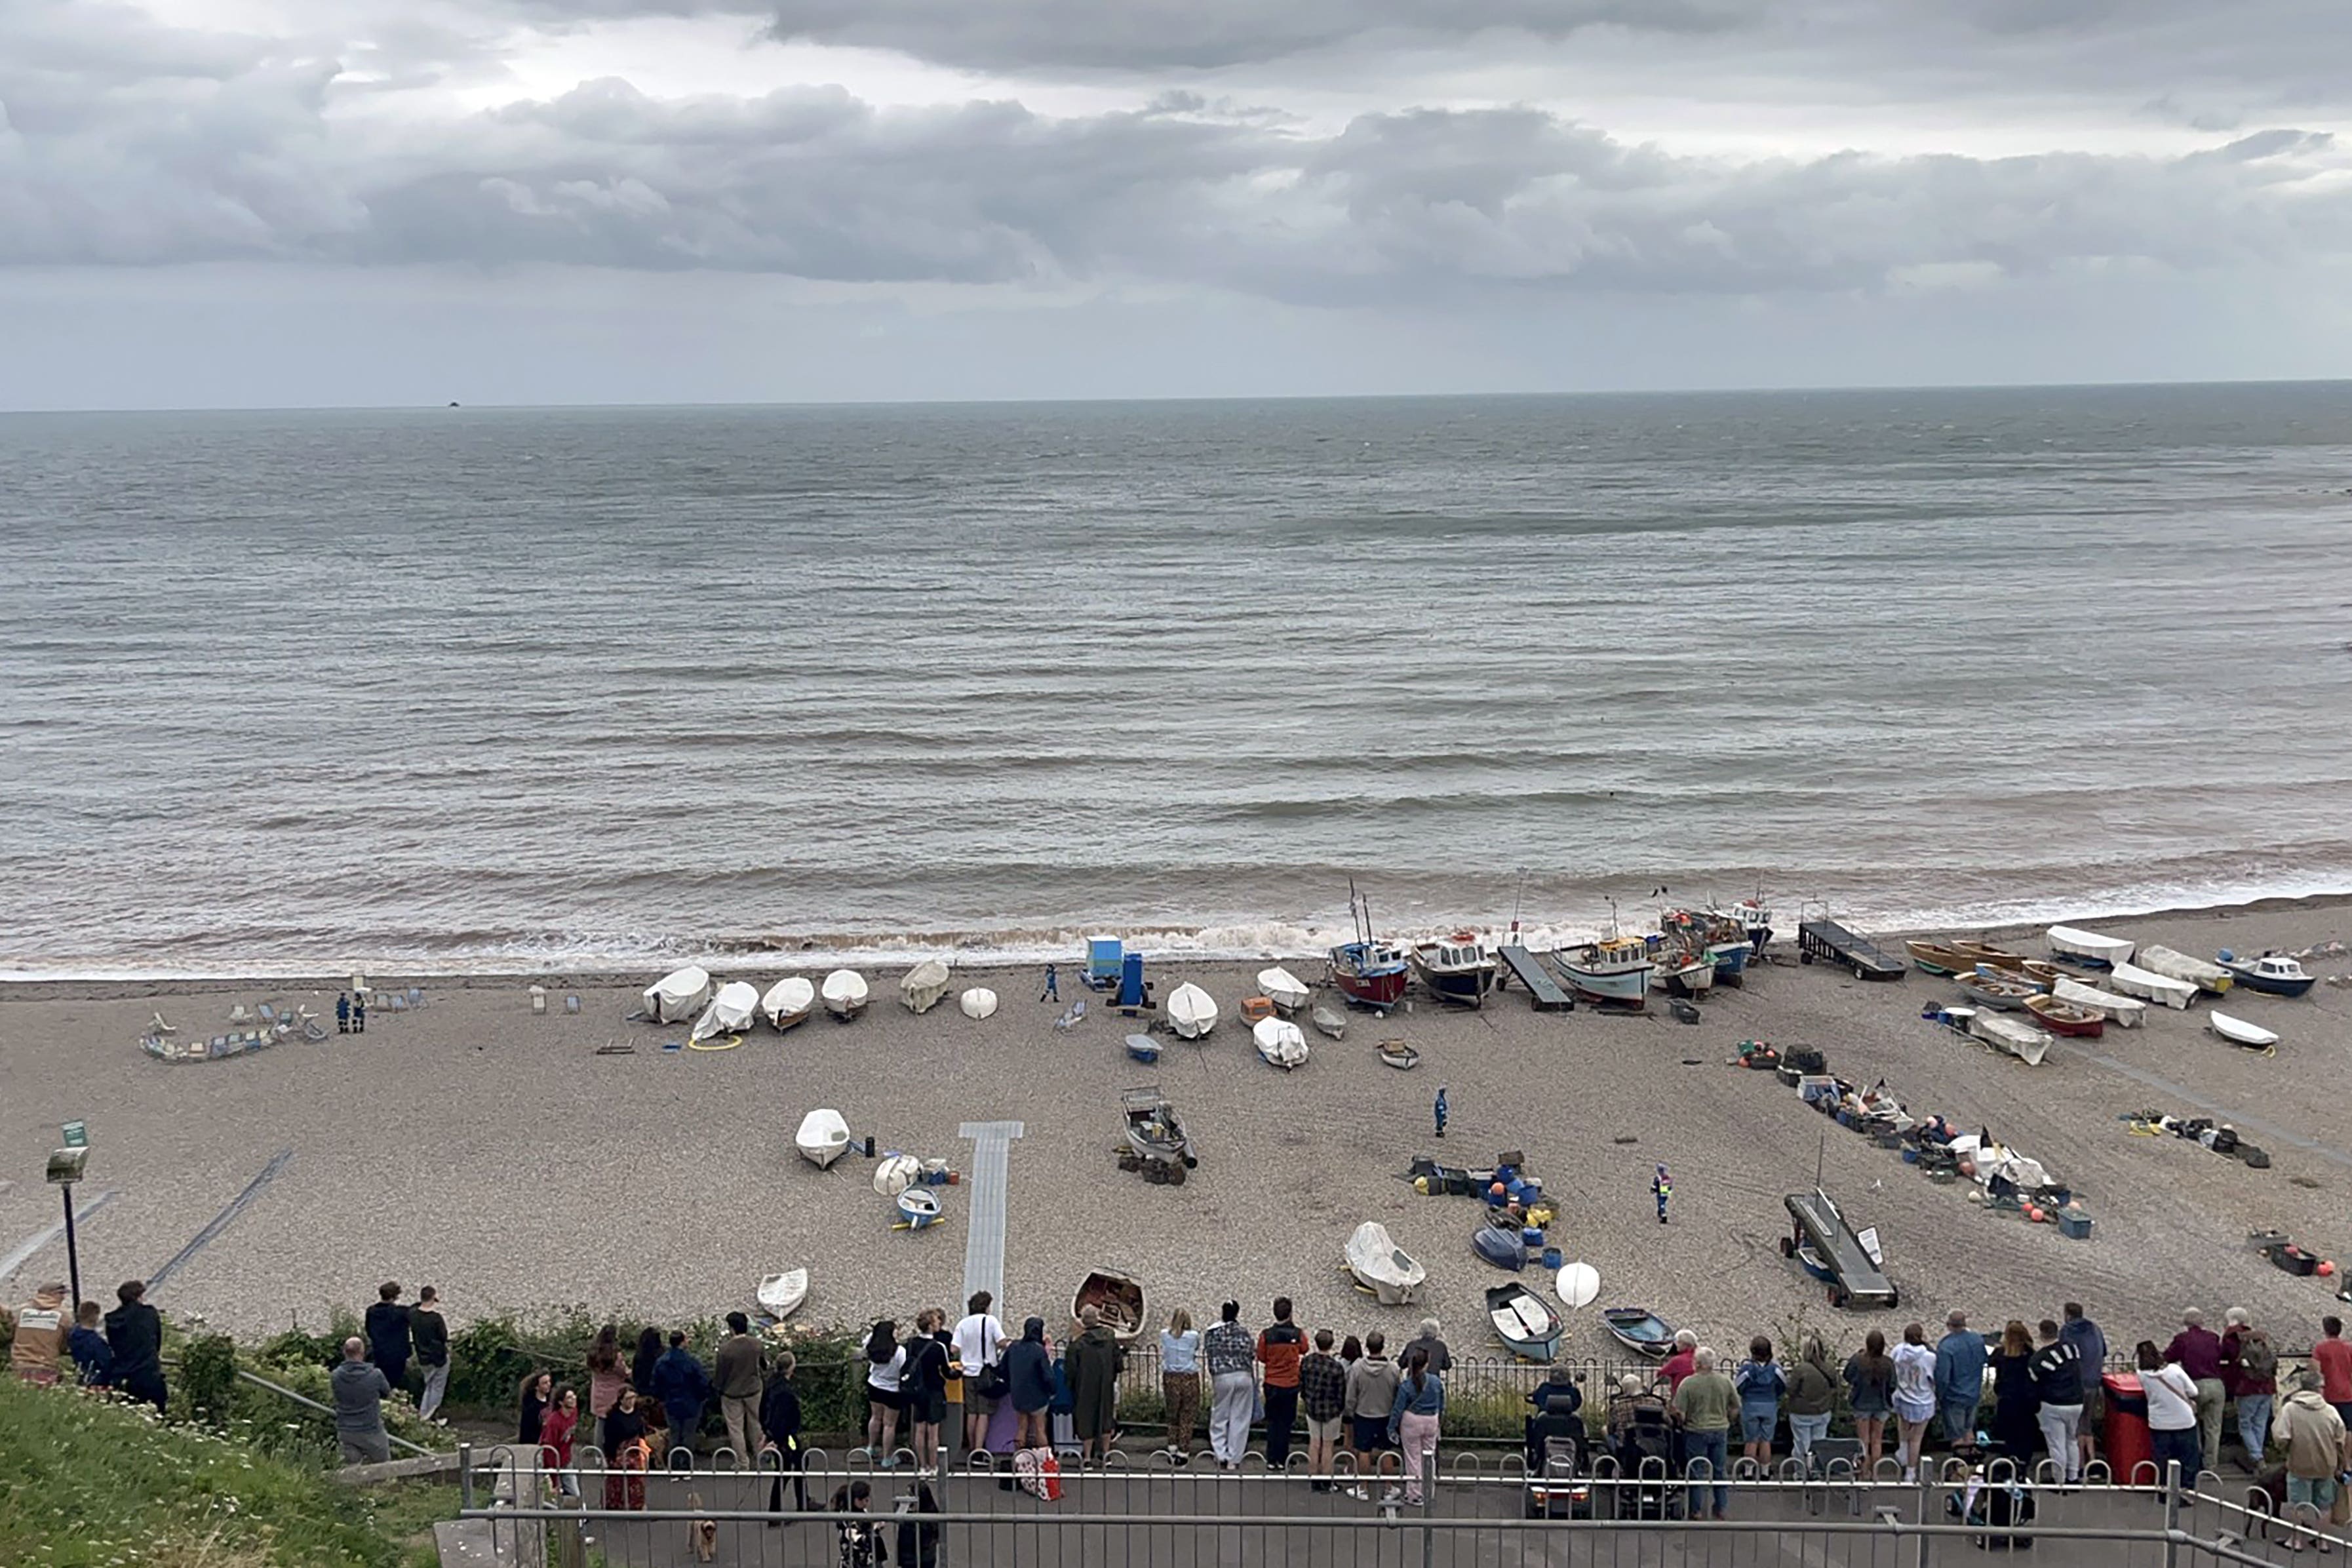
<point>924,986</point>
<point>788,999</point>
<point>729,1011</point>
<point>680,995</point>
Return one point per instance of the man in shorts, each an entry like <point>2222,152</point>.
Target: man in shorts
<point>979,1340</point>
<point>1323,1400</point>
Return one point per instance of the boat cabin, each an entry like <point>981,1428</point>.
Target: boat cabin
<point>1847,1260</point>
<point>1456,955</point>
<point>2277,966</point>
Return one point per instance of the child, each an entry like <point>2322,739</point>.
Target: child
<point>861,1539</point>
<point>93,1357</point>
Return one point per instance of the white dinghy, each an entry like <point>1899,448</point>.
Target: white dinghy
<point>780,1295</point>
<point>1279,1043</point>
<point>2124,1012</point>
<point>2133,981</point>
<point>823,1138</point>
<point>2238,1032</point>
<point>1192,1012</point>
<point>1383,1267</point>
<point>2088,947</point>
<point>978,1003</point>
<point>2027,1042</point>
<point>678,995</point>
<point>924,986</point>
<point>729,1012</point>
<point>845,994</point>
<point>1284,990</point>
<point>1331,1022</point>
<point>788,1002</point>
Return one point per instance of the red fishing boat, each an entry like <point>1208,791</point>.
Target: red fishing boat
<point>1368,972</point>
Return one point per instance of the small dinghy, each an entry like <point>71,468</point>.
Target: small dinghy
<point>978,1003</point>
<point>780,1295</point>
<point>1523,1321</point>
<point>895,1172</point>
<point>1330,1022</point>
<point>1284,990</point>
<point>1936,958</point>
<point>1981,952</point>
<point>2238,1032</point>
<point>1640,1329</point>
<point>1192,1012</point>
<point>1579,1285</point>
<point>2088,948</point>
<point>729,1012</point>
<point>2161,989</point>
<point>678,995</point>
<point>845,994</point>
<point>1501,1247</point>
<point>788,1002</point>
<point>1157,1143</point>
<point>2029,1043</point>
<point>1143,1048</point>
<point>1987,992</point>
<point>1117,1296</point>
<point>2067,1017</point>
<point>1279,1044</point>
<point>823,1136</point>
<point>2125,1012</point>
<point>918,1209</point>
<point>923,985</point>
<point>1400,1055</point>
<point>1383,1269</point>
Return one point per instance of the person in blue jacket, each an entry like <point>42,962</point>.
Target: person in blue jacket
<point>682,1384</point>
<point>1029,1376</point>
<point>1959,1381</point>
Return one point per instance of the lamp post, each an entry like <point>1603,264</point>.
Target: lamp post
<point>65,1169</point>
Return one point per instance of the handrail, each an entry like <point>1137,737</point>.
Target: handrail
<point>305,1400</point>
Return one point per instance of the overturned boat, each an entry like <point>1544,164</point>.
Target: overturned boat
<point>780,1295</point>
<point>845,994</point>
<point>822,1138</point>
<point>1383,1268</point>
<point>678,995</point>
<point>729,1012</point>
<point>788,1002</point>
<point>1284,990</point>
<point>2238,1032</point>
<point>2029,1043</point>
<point>1330,1022</point>
<point>1279,1043</point>
<point>924,986</point>
<point>978,1003</point>
<point>1192,1012</point>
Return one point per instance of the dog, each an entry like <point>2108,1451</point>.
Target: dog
<point>701,1534</point>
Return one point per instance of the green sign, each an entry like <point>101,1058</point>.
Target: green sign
<point>76,1135</point>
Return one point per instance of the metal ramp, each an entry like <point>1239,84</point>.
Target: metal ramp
<point>1542,989</point>
<point>1825,941</point>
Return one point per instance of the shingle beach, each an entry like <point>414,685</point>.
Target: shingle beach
<point>494,1153</point>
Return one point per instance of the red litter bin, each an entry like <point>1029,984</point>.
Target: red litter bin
<point>2124,1439</point>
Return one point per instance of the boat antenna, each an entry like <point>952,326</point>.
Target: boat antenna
<point>1517,899</point>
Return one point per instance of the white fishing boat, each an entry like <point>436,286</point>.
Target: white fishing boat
<point>788,1002</point>
<point>978,1003</point>
<point>2162,989</point>
<point>780,1295</point>
<point>1280,1043</point>
<point>2029,1043</point>
<point>845,994</point>
<point>2088,947</point>
<point>678,995</point>
<point>924,986</point>
<point>2238,1032</point>
<point>2177,965</point>
<point>2123,1012</point>
<point>729,1012</point>
<point>1754,915</point>
<point>822,1138</point>
<point>1331,1022</point>
<point>1284,990</point>
<point>1192,1012</point>
<point>1680,973</point>
<point>1383,1268</point>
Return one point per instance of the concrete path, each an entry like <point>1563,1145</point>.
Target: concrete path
<point>983,1247</point>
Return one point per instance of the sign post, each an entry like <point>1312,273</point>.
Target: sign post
<point>66,1166</point>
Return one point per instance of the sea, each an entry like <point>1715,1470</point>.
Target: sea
<point>507,690</point>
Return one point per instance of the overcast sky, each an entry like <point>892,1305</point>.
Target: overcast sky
<point>294,202</point>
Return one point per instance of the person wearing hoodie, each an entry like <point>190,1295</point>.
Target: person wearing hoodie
<point>1094,1360</point>
<point>93,1357</point>
<point>780,1428</point>
<point>360,1389</point>
<point>682,1384</point>
<point>1812,1399</point>
<point>1960,1379</point>
<point>2313,1435</point>
<point>135,1332</point>
<point>1371,1393</point>
<point>1029,1379</point>
<point>2250,1375</point>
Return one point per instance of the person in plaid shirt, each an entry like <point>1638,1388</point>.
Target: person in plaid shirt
<point>1323,1399</point>
<point>1231,1351</point>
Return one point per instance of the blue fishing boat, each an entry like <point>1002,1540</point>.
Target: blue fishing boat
<point>2274,972</point>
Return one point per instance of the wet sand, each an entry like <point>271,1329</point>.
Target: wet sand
<point>493,1152</point>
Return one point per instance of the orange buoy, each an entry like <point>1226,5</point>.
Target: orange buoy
<point>2326,1268</point>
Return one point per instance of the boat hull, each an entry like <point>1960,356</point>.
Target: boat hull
<point>1524,1321</point>
<point>1463,987</point>
<point>1620,983</point>
<point>1381,989</point>
<point>1117,1296</point>
<point>2269,984</point>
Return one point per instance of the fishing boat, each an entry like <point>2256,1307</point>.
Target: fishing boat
<point>1500,1247</point>
<point>1367,972</point>
<point>2126,1012</point>
<point>1752,915</point>
<point>1987,992</point>
<point>918,1209</point>
<point>1192,1012</point>
<point>1613,971</point>
<point>1284,990</point>
<point>822,1138</point>
<point>1382,1269</point>
<point>788,1002</point>
<point>1524,1321</point>
<point>1456,970</point>
<point>1937,958</point>
<point>923,985</point>
<point>1280,1043</point>
<point>2066,1017</point>
<point>1330,1022</point>
<point>2274,974</point>
<point>2238,1032</point>
<point>1398,1055</point>
<point>978,1003</point>
<point>845,994</point>
<point>780,1295</point>
<point>1640,1329</point>
<point>2029,1043</point>
<point>1678,972</point>
<point>2177,965</point>
<point>678,995</point>
<point>2088,948</point>
<point>1979,952</point>
<point>1154,1135</point>
<point>1721,941</point>
<point>730,1013</point>
<point>2162,989</point>
<point>1117,1296</point>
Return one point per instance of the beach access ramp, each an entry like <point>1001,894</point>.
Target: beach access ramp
<point>1542,990</point>
<point>1827,941</point>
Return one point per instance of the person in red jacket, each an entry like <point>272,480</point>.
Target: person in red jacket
<point>2333,1356</point>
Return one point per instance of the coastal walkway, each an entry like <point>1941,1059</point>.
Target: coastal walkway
<point>984,1246</point>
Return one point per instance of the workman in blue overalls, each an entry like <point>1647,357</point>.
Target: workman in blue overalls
<point>1053,986</point>
<point>1441,1111</point>
<point>342,1013</point>
<point>1662,1187</point>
